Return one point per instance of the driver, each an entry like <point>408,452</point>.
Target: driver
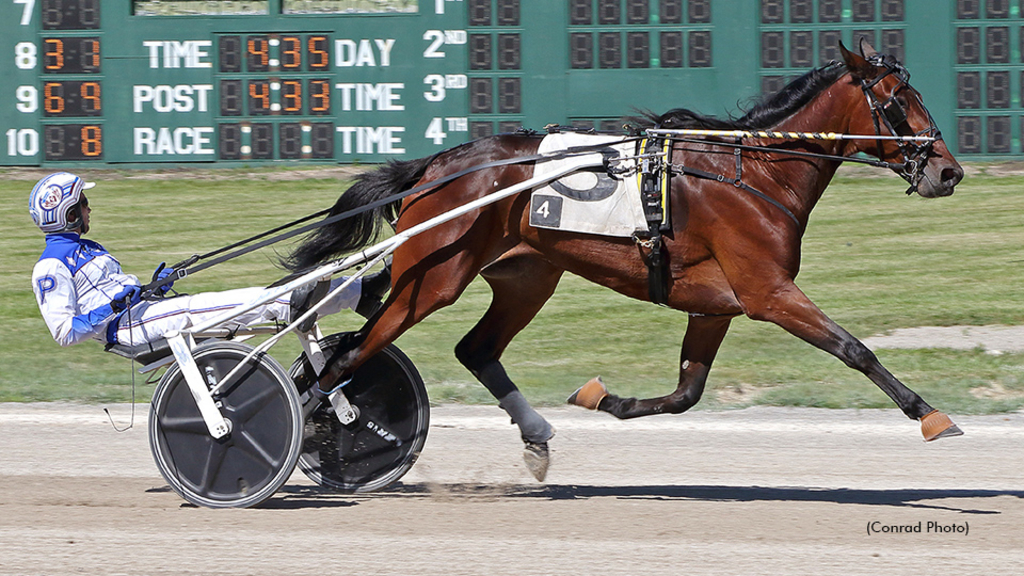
<point>83,294</point>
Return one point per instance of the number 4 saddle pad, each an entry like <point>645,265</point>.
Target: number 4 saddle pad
<point>590,199</point>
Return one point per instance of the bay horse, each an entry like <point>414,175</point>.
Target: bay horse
<point>728,252</point>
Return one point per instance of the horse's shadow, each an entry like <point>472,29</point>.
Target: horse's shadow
<point>292,497</point>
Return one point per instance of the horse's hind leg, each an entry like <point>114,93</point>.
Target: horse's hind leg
<point>703,338</point>
<point>520,285</point>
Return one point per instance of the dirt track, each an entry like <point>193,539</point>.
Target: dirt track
<point>757,491</point>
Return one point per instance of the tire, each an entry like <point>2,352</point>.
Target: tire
<point>383,443</point>
<point>255,459</point>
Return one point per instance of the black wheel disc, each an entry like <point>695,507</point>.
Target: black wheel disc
<point>248,465</point>
<point>384,442</point>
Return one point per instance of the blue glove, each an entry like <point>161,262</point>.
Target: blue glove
<point>130,296</point>
<point>161,272</point>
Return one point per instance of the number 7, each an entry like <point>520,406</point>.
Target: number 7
<point>26,12</point>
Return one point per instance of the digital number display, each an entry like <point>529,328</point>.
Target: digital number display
<point>968,9</point>
<point>609,11</point>
<point>671,49</point>
<point>772,12</point>
<point>609,50</point>
<point>997,45</point>
<point>997,8</point>
<point>968,45</point>
<point>830,11</point>
<point>892,10</point>
<point>638,50</point>
<point>229,141</point>
<point>230,97</point>
<point>700,49</point>
<point>671,11</point>
<point>892,43</point>
<point>509,96</point>
<point>968,134</point>
<point>480,52</point>
<point>71,55</point>
<point>863,10</point>
<point>998,128</point>
<point>998,89</point>
<point>581,50</point>
<point>73,142</point>
<point>259,97</point>
<point>257,53</point>
<point>71,14</point>
<point>700,11</point>
<point>968,90</point>
<point>801,49</point>
<point>637,12</point>
<point>262,147</point>
<point>319,97</point>
<point>289,141</point>
<point>773,50</point>
<point>274,52</point>
<point>295,140</point>
<point>508,12</point>
<point>801,11</point>
<point>828,46</point>
<point>72,98</point>
<point>480,12</point>
<point>508,52</point>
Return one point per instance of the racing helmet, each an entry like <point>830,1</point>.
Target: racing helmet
<point>52,199</point>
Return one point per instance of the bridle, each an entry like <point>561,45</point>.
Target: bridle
<point>891,114</point>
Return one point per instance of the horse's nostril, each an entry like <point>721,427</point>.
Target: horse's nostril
<point>952,176</point>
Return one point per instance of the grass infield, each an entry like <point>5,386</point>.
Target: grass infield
<point>873,259</point>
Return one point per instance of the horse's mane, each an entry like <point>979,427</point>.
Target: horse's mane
<point>764,113</point>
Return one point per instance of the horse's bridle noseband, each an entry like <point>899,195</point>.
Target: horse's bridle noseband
<point>891,113</point>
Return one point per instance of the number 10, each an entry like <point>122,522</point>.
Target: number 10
<point>24,142</point>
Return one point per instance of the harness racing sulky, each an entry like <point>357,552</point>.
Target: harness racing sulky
<point>693,213</point>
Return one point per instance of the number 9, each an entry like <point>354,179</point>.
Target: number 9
<point>28,99</point>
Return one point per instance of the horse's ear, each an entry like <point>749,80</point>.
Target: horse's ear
<point>858,65</point>
<point>866,50</point>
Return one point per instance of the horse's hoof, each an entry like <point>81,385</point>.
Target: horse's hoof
<point>935,425</point>
<point>537,459</point>
<point>590,394</point>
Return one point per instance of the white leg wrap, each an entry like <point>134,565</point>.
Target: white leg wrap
<point>532,425</point>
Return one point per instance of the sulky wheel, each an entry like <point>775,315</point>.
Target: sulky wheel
<point>384,442</point>
<point>256,458</point>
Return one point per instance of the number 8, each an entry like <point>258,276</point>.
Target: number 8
<point>25,55</point>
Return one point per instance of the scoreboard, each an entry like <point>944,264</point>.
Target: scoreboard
<point>142,82</point>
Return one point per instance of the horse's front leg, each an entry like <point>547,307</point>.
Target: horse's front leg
<point>788,307</point>
<point>703,338</point>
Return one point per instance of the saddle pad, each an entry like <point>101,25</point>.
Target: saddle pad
<point>588,200</point>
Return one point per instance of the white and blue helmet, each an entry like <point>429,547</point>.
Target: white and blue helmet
<point>53,198</point>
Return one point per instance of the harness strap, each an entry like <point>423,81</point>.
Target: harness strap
<point>737,183</point>
<point>653,193</point>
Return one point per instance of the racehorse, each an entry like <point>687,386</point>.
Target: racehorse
<point>728,252</point>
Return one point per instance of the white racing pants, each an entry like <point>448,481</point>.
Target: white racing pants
<point>149,321</point>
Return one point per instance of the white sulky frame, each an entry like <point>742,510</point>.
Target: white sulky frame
<point>182,343</point>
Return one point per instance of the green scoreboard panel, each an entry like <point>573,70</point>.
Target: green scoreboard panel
<point>141,82</point>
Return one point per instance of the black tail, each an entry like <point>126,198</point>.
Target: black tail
<point>352,233</point>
